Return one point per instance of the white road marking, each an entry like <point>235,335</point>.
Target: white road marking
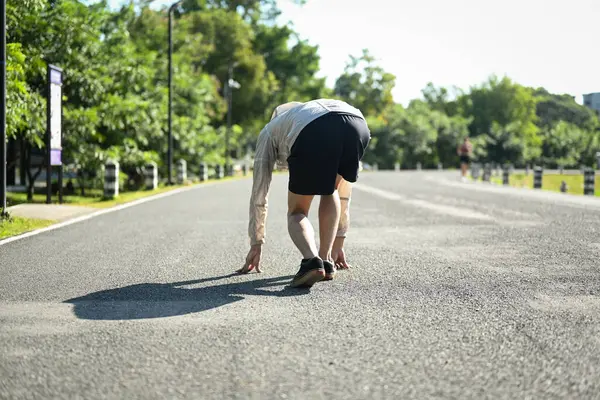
<point>378,192</point>
<point>439,208</point>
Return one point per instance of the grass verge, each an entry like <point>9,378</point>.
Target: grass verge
<point>93,198</point>
<point>550,182</point>
<point>16,225</point>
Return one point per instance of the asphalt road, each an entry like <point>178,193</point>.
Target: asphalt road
<point>456,291</point>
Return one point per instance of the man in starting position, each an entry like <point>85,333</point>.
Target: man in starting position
<point>322,141</point>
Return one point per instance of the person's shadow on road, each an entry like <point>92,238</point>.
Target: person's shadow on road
<point>158,300</point>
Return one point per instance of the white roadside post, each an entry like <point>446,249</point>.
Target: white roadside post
<point>181,171</point>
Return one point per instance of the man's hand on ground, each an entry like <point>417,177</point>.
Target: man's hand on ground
<point>252,260</point>
<point>338,255</point>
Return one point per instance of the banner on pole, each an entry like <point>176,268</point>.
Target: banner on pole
<point>55,99</point>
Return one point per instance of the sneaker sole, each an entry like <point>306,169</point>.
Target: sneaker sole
<point>309,279</point>
<point>329,275</point>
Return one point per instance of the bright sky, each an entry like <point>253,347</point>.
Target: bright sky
<point>549,43</point>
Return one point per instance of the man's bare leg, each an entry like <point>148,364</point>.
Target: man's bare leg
<point>329,218</point>
<point>299,227</point>
<point>303,236</point>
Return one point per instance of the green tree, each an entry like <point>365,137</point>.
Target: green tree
<point>503,103</point>
<point>552,108</point>
<point>415,134</point>
<point>366,85</point>
<point>441,99</point>
<point>250,10</point>
<point>294,65</point>
<point>565,144</point>
<point>387,138</point>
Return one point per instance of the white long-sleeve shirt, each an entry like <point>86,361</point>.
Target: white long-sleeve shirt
<point>274,144</point>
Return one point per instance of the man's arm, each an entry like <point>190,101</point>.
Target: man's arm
<point>264,162</point>
<point>337,251</point>
<point>345,192</point>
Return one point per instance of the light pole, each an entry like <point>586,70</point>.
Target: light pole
<point>170,125</point>
<point>3,109</point>
<point>231,83</point>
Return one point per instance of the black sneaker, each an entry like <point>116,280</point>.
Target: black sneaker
<point>329,270</point>
<point>311,271</point>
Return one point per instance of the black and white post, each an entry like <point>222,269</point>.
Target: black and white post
<point>589,177</point>
<point>506,175</point>
<point>538,173</point>
<point>203,172</point>
<point>218,171</point>
<point>475,169</point>
<point>181,172</point>
<point>487,172</point>
<point>151,176</point>
<point>111,179</point>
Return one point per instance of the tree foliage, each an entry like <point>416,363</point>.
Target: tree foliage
<point>115,91</point>
<point>366,85</point>
<point>507,123</point>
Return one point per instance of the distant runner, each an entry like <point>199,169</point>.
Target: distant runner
<point>322,142</point>
<point>465,152</point>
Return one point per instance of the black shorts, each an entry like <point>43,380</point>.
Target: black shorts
<point>330,145</point>
<point>465,159</point>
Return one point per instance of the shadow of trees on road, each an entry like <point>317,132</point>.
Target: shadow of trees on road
<point>158,300</point>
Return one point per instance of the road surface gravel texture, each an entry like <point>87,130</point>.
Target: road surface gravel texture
<point>457,291</point>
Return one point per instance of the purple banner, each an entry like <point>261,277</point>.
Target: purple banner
<point>55,157</point>
<point>55,77</point>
